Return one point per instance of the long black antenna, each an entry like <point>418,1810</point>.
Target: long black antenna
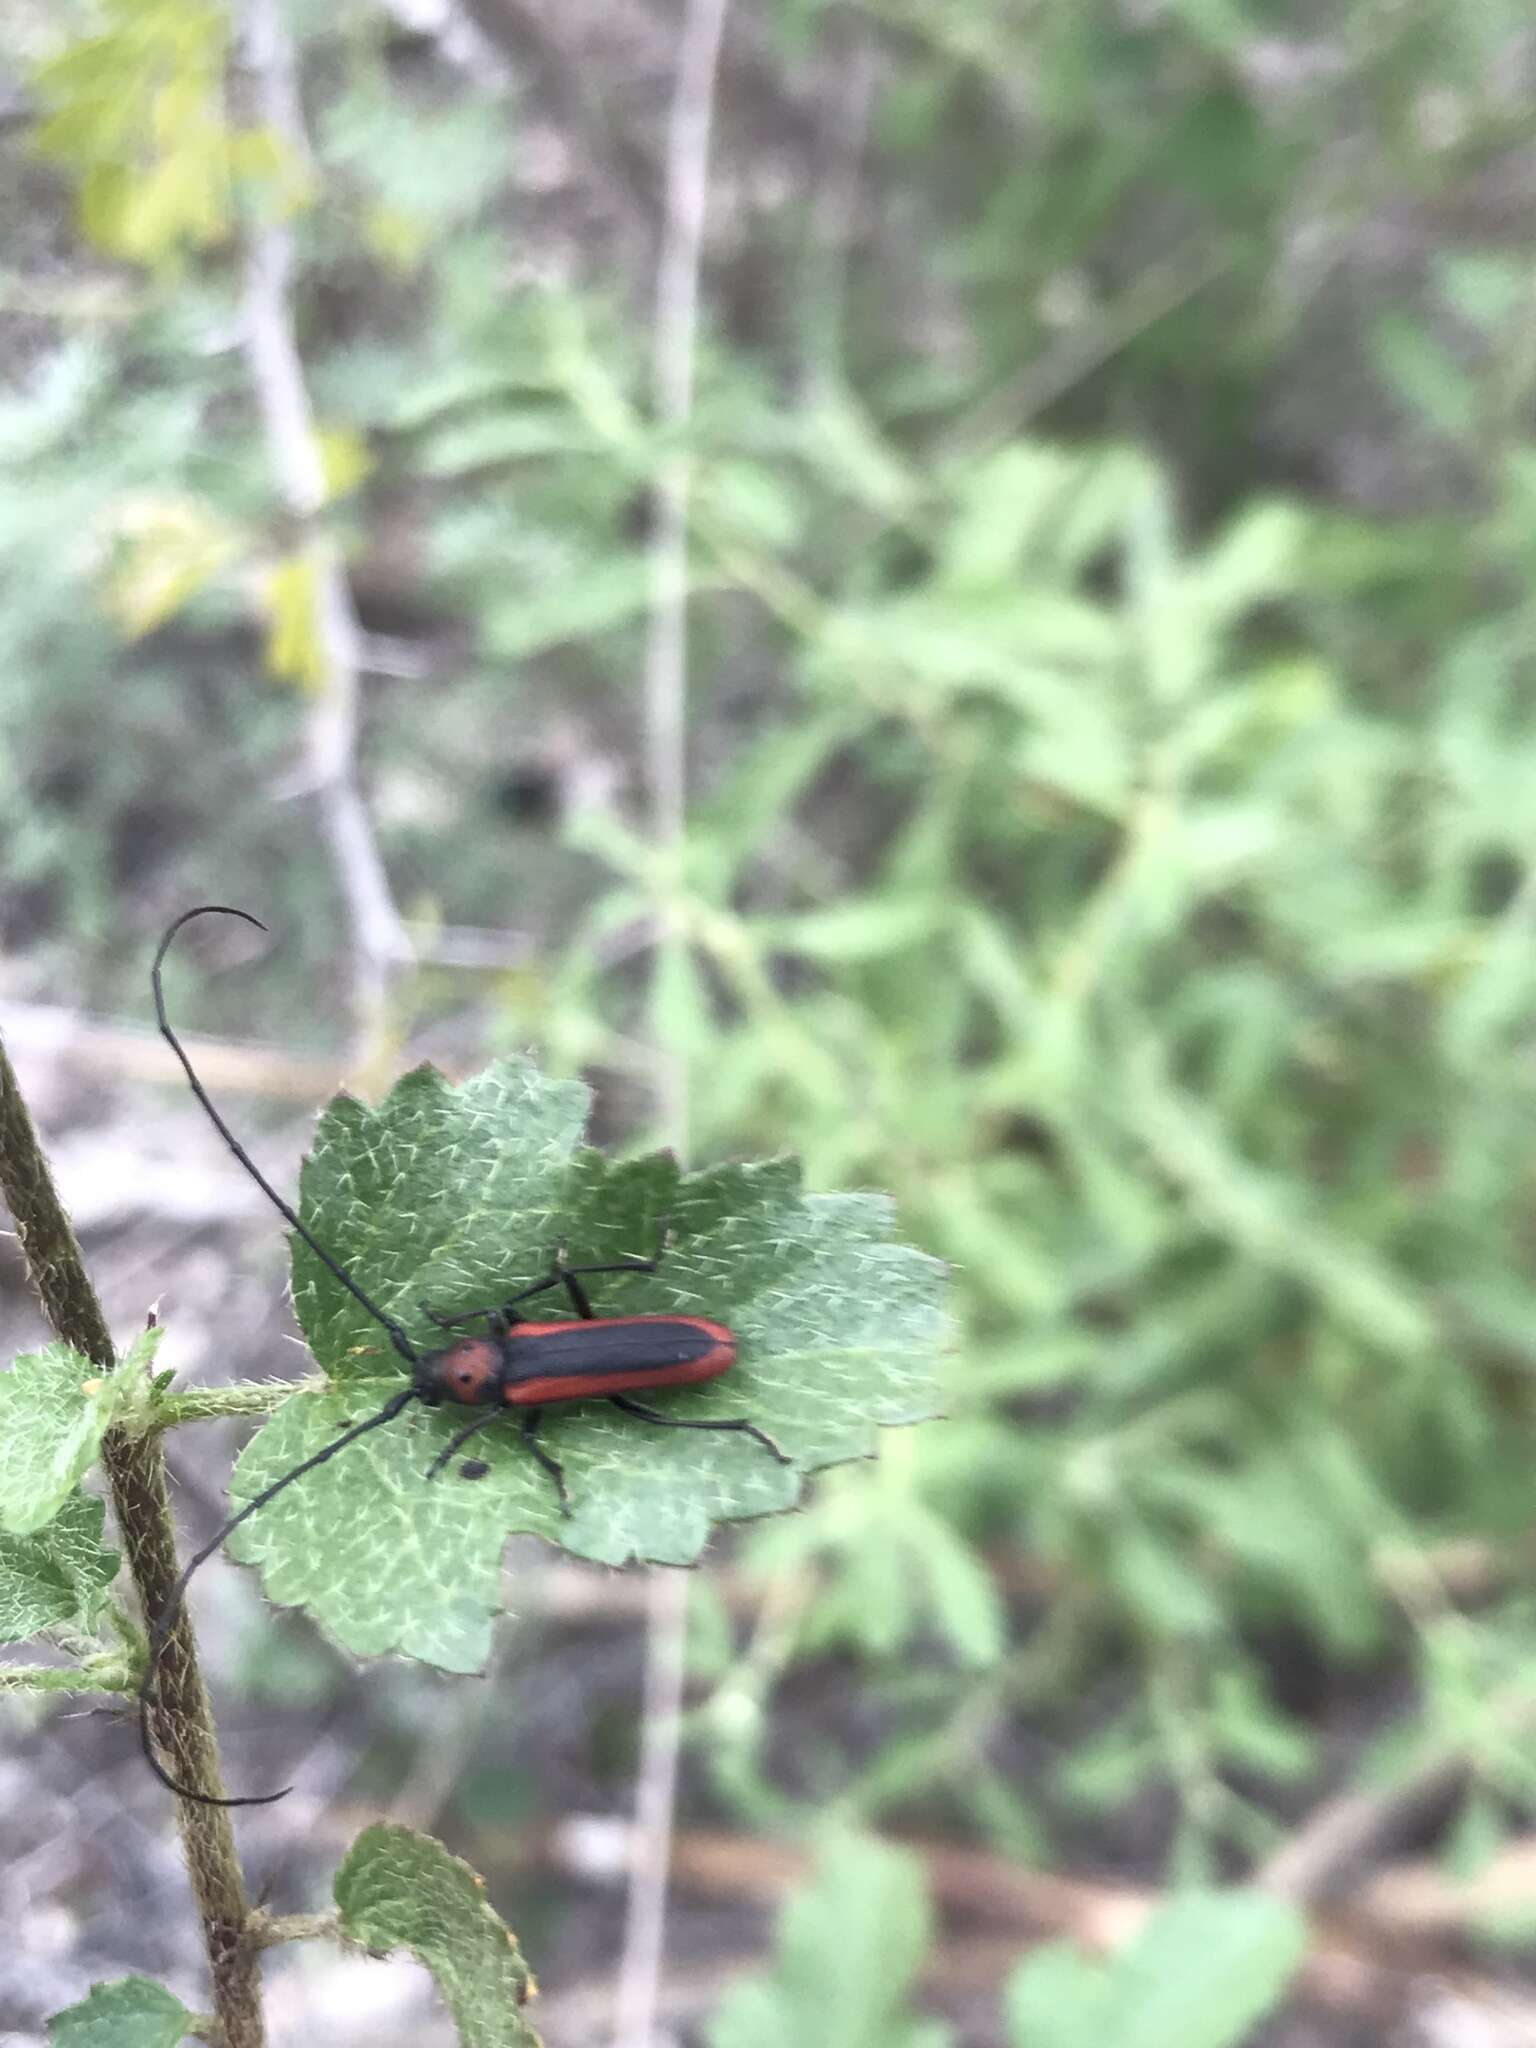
<point>397,1336</point>
<point>165,1620</point>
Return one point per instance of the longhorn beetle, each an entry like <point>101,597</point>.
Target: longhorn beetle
<point>514,1362</point>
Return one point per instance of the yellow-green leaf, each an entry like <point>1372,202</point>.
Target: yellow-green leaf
<point>293,649</point>
<point>168,549</point>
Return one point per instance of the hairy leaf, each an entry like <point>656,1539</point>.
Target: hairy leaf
<point>131,2012</point>
<point>399,1889</point>
<point>455,1197</point>
<point>55,1407</point>
<point>57,1574</point>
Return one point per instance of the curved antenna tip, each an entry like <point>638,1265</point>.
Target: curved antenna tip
<point>201,910</point>
<point>174,1784</point>
<point>207,1798</point>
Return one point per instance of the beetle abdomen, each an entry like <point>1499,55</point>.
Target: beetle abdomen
<point>576,1361</point>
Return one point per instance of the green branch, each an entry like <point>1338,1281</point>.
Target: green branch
<point>212,1404</point>
<point>104,1674</point>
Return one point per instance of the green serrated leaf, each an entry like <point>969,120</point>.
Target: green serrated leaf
<point>131,2012</point>
<point>850,1945</point>
<point>399,1889</point>
<point>55,1407</point>
<point>59,1574</point>
<point>454,1196</point>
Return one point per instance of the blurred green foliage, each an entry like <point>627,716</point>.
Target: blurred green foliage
<point>849,1947</point>
<point>1112,739</point>
<point>1199,1974</point>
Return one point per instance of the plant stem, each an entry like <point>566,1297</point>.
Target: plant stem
<point>212,1404</point>
<point>135,1468</point>
<point>108,1676</point>
<point>269,1930</point>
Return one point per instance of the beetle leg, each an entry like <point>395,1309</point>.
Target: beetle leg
<point>496,1312</point>
<point>572,1276</point>
<point>442,1322</point>
<point>693,1422</point>
<point>551,1279</point>
<point>480,1422</point>
<point>551,1465</point>
<point>559,1275</point>
<point>580,1299</point>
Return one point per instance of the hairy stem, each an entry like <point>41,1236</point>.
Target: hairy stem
<point>270,1930</point>
<point>135,1469</point>
<point>105,1675</point>
<point>212,1404</point>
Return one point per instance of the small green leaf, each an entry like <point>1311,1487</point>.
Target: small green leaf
<point>1206,1969</point>
<point>1003,506</point>
<point>1201,1974</point>
<point>59,1574</point>
<point>1429,381</point>
<point>1060,1998</point>
<point>1264,1219</point>
<point>131,2012</point>
<point>850,1945</point>
<point>453,1197</point>
<point>1253,559</point>
<point>681,1010</point>
<point>399,1889</point>
<point>488,440</point>
<point>55,1407</point>
<point>842,440</point>
<point>1158,1584</point>
<point>754,500</point>
<point>963,1593</point>
<point>859,929</point>
<point>606,594</point>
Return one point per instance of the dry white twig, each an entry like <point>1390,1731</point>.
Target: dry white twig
<point>673,348</point>
<point>666,695</point>
<point>379,938</point>
<point>840,144</point>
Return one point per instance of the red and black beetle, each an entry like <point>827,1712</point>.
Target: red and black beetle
<point>519,1363</point>
<point>513,1362</point>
